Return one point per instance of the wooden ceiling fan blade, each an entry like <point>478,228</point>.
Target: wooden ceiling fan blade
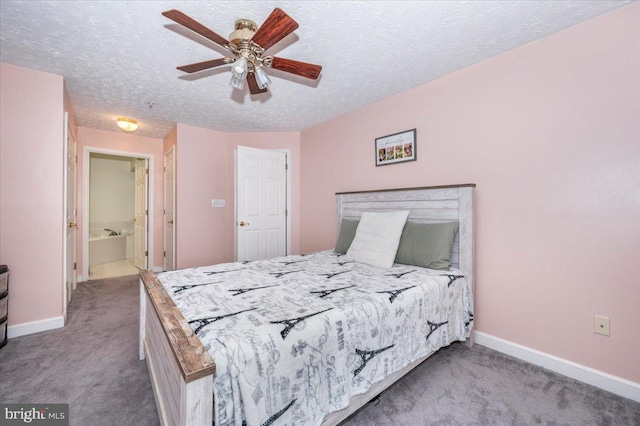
<point>254,89</point>
<point>199,66</point>
<point>302,69</point>
<point>276,27</point>
<point>193,25</point>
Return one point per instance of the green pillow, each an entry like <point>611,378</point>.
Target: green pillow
<point>347,234</point>
<point>427,244</point>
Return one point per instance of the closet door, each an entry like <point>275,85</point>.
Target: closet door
<point>141,213</point>
<point>261,221</point>
<point>71,214</point>
<point>169,208</point>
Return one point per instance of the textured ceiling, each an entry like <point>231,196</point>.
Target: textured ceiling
<point>119,58</point>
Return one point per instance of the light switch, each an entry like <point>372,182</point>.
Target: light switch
<point>217,203</point>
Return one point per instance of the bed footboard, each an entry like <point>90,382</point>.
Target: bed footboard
<point>180,368</point>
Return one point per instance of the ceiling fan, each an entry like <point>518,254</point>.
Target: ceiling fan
<point>248,43</point>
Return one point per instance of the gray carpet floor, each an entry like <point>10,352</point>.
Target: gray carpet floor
<point>92,364</point>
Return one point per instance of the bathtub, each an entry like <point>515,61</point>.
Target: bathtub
<point>105,249</point>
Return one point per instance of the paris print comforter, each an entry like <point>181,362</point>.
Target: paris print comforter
<point>294,338</point>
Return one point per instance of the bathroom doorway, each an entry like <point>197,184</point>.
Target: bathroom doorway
<point>116,231</point>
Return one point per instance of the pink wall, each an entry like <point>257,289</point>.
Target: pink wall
<point>129,143</point>
<point>201,237</point>
<point>550,134</point>
<point>31,204</point>
<point>68,107</point>
<point>170,140</point>
<point>205,169</point>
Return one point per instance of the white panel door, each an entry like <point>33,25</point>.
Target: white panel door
<point>169,197</point>
<point>71,215</point>
<point>141,212</point>
<point>261,203</point>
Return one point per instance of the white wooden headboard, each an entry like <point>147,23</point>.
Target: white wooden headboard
<point>451,203</point>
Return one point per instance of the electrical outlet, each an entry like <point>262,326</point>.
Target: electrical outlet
<point>601,325</point>
<point>217,203</point>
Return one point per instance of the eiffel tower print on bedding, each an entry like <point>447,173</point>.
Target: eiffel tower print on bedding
<point>293,341</point>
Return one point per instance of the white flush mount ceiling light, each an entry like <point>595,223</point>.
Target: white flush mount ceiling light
<point>127,124</point>
<point>248,45</point>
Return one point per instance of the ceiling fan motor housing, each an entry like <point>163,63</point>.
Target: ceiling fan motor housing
<point>244,30</point>
<point>242,46</point>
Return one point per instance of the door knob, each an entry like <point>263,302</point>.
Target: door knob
<point>73,225</point>
<point>242,223</point>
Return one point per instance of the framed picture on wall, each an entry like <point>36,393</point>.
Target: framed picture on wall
<point>396,148</point>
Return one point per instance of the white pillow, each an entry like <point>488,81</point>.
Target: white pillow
<point>377,238</point>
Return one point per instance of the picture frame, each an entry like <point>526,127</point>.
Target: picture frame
<point>396,148</point>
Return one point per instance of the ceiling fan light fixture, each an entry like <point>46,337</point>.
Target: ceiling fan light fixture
<point>238,73</point>
<point>237,81</point>
<point>262,78</point>
<point>127,124</point>
<point>240,67</point>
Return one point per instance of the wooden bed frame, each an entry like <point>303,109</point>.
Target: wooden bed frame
<point>182,371</point>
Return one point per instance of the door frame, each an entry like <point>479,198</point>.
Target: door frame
<point>86,152</point>
<point>172,152</point>
<point>235,198</point>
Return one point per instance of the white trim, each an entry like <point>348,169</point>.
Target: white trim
<point>591,376</point>
<point>288,162</point>
<point>23,329</point>
<point>235,204</point>
<point>80,279</point>
<point>87,150</point>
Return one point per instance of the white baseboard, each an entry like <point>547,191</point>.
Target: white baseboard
<point>153,268</point>
<point>591,376</point>
<point>18,330</point>
<point>157,268</point>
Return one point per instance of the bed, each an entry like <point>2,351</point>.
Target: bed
<point>305,339</point>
